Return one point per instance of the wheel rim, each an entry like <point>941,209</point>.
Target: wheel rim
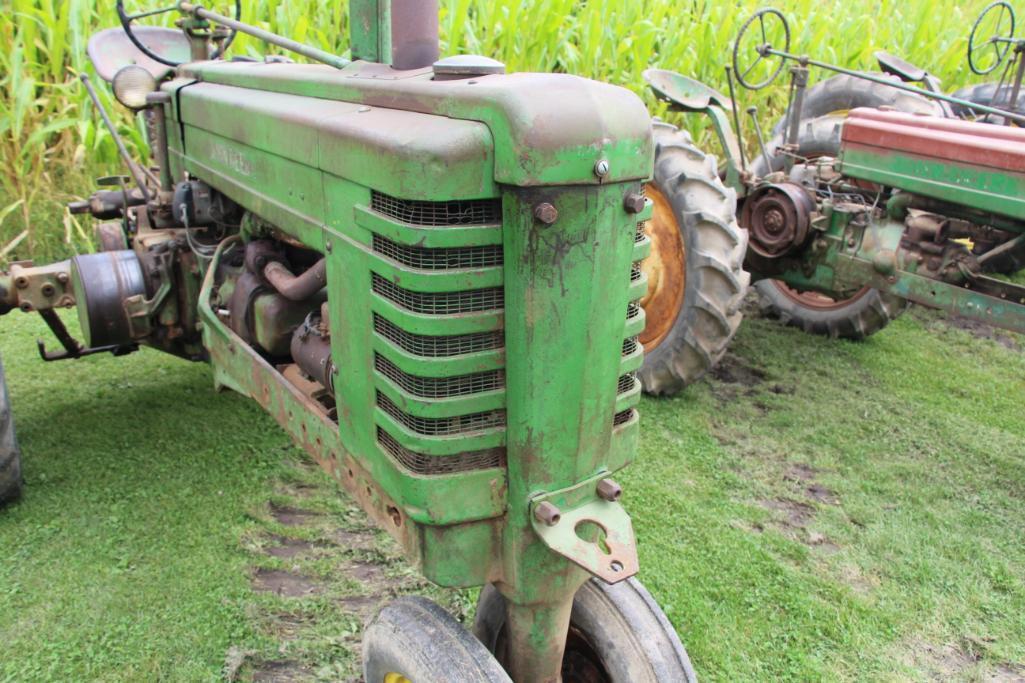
<point>581,663</point>
<point>817,301</point>
<point>666,270</point>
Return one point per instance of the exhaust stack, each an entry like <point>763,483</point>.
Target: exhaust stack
<point>402,33</point>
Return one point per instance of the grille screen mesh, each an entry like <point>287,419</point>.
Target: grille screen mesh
<point>440,464</point>
<point>442,426</point>
<point>639,237</point>
<point>440,303</point>
<point>437,347</point>
<point>626,383</point>
<point>629,346</point>
<point>632,311</point>
<point>436,214</point>
<point>439,259</point>
<point>623,417</point>
<point>635,272</point>
<point>440,387</point>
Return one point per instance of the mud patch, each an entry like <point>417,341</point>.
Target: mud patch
<point>285,584</point>
<point>288,548</point>
<point>363,606</point>
<point>367,573</point>
<point>800,472</point>
<point>734,370</point>
<point>281,672</point>
<point>795,515</point>
<point>288,626</point>
<point>821,494</point>
<point>353,540</point>
<point>1008,673</point>
<point>984,331</point>
<point>289,516</point>
<point>944,662</point>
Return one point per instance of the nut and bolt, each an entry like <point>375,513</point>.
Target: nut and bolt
<point>609,490</point>
<point>48,290</point>
<point>601,169</point>
<point>634,202</point>
<point>546,213</point>
<point>547,514</point>
<point>21,282</point>
<point>63,278</point>
<point>329,247</point>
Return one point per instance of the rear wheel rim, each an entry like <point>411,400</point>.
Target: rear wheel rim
<point>666,269</point>
<point>816,301</point>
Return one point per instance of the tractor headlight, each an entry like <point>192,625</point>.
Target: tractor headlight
<point>132,84</point>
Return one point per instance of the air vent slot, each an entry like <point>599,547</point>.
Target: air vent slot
<point>418,463</point>
<point>630,346</point>
<point>635,272</point>
<point>437,347</point>
<point>623,417</point>
<point>440,387</point>
<point>438,214</point>
<point>449,258</point>
<point>633,310</point>
<point>639,236</point>
<point>442,426</point>
<point>626,383</point>
<point>440,303</point>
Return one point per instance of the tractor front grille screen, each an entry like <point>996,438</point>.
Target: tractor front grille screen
<point>442,426</point>
<point>623,417</point>
<point>626,383</point>
<point>635,273</point>
<point>639,236</point>
<point>438,214</point>
<point>439,259</point>
<point>630,346</point>
<point>440,387</point>
<point>419,463</point>
<point>633,310</point>
<point>440,303</point>
<point>437,347</point>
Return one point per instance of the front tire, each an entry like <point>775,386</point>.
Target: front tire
<point>618,634</point>
<point>858,317</point>
<point>413,639</point>
<point>10,456</point>
<point>696,278</point>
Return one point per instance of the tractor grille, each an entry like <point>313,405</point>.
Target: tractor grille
<point>626,383</point>
<point>442,426</point>
<point>419,463</point>
<point>438,214</point>
<point>422,258</point>
<point>633,310</point>
<point>439,303</point>
<point>438,347</point>
<point>623,417</point>
<point>440,387</point>
<point>630,346</point>
<point>635,272</point>
<point>639,235</point>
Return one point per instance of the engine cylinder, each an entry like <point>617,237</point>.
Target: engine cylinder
<point>102,283</point>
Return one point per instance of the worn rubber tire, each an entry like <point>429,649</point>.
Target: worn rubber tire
<point>416,638</point>
<point>623,624</point>
<point>817,138</point>
<point>842,93</point>
<point>858,319</point>
<point>10,456</point>
<point>983,93</point>
<point>715,247</point>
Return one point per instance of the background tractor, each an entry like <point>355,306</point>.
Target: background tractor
<point>427,271</point>
<point>846,217</point>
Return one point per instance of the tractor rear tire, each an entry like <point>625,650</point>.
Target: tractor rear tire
<point>413,639</point>
<point>840,94</point>
<point>618,634</point>
<point>855,318</point>
<point>10,456</point>
<point>696,278</point>
<point>984,93</point>
<point>817,138</point>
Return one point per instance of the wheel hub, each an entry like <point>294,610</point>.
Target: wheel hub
<point>778,219</point>
<point>665,268</point>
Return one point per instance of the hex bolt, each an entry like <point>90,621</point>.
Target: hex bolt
<point>634,202</point>
<point>609,490</point>
<point>329,247</point>
<point>63,278</point>
<point>547,514</point>
<point>21,282</point>
<point>546,213</point>
<point>48,290</point>
<point>601,169</point>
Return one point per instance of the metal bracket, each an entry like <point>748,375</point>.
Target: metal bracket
<point>591,532</point>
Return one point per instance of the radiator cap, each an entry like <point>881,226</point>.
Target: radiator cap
<point>466,66</point>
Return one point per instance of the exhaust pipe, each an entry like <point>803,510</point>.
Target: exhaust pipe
<point>402,33</point>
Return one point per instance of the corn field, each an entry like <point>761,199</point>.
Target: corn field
<point>51,144</point>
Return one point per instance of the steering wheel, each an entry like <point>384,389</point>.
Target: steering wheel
<point>997,20</point>
<point>128,19</point>
<point>771,32</point>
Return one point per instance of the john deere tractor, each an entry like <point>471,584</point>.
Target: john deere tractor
<point>846,218</point>
<point>427,271</point>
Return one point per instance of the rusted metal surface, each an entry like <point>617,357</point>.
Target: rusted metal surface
<point>665,268</point>
<point>777,218</point>
<point>111,50</point>
<point>414,33</point>
<point>296,287</point>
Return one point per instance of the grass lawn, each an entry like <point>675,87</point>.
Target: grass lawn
<point>817,511</point>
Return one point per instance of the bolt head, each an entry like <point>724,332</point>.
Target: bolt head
<point>634,202</point>
<point>601,169</point>
<point>63,278</point>
<point>547,514</point>
<point>21,282</point>
<point>609,490</point>
<point>546,213</point>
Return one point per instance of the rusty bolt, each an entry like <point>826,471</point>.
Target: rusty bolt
<point>601,169</point>
<point>546,213</point>
<point>547,514</point>
<point>48,290</point>
<point>63,278</point>
<point>634,202</point>
<point>26,307</point>
<point>21,282</point>
<point>609,490</point>
<point>329,247</point>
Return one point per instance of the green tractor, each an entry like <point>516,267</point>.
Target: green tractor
<point>846,217</point>
<point>428,272</point>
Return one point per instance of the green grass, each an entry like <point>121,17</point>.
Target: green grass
<point>822,511</point>
<point>51,143</point>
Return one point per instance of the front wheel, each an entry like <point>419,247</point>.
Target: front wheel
<point>617,634</point>
<point>414,640</point>
<point>10,456</point>
<point>857,317</point>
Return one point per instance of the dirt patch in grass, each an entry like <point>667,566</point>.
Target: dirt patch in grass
<point>363,606</point>
<point>793,514</point>
<point>285,584</point>
<point>288,548</point>
<point>983,331</point>
<point>734,370</point>
<point>281,672</point>
<point>290,516</point>
<point>353,540</point>
<point>944,662</point>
